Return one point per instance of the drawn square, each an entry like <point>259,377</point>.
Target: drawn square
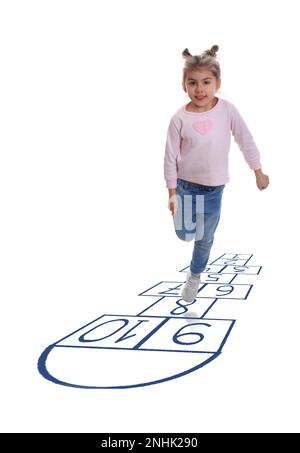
<point>226,291</point>
<point>177,307</point>
<point>213,277</point>
<point>238,269</point>
<point>203,335</point>
<point>233,261</point>
<point>113,331</point>
<point>226,309</point>
<point>231,256</point>
<point>165,288</point>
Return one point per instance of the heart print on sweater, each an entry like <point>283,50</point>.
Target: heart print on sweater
<point>202,127</point>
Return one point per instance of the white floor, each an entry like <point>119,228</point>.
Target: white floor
<point>85,228</point>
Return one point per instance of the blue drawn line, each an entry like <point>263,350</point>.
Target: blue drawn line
<point>44,372</point>
<point>151,333</point>
<point>234,277</point>
<point>251,286</point>
<point>211,305</point>
<point>152,305</point>
<point>137,349</point>
<point>227,335</point>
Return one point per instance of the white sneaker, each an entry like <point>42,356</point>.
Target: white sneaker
<point>190,289</point>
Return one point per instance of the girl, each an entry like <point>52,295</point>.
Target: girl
<point>196,159</point>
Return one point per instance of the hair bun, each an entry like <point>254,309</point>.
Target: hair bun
<point>186,53</point>
<point>213,51</point>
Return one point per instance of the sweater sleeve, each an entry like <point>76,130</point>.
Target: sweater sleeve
<point>172,150</point>
<point>244,139</point>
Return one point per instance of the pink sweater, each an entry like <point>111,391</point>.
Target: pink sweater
<point>197,145</point>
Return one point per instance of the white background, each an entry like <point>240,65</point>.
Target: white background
<point>87,92</point>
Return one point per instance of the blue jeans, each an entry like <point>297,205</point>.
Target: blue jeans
<point>197,217</point>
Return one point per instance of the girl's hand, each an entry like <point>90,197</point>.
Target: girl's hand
<point>172,204</point>
<point>262,180</point>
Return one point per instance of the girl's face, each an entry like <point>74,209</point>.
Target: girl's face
<point>201,86</point>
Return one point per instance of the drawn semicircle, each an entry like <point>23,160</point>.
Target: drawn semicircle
<point>97,368</point>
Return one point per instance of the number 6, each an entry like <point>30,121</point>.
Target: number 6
<point>199,336</point>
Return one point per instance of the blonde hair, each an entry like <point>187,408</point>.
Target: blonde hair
<point>205,60</point>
